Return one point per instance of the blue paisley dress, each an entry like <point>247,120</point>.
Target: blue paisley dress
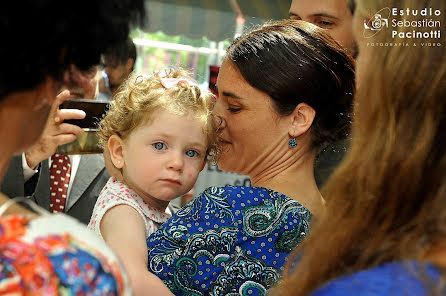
<point>228,241</point>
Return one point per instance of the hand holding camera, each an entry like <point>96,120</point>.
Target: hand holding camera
<point>56,132</point>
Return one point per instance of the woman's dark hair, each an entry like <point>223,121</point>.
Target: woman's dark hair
<point>43,38</point>
<point>294,62</point>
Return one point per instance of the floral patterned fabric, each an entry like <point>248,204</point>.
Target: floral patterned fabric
<point>56,255</point>
<point>228,241</point>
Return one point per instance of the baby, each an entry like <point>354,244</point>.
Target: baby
<point>158,133</point>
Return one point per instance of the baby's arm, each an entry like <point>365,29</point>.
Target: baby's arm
<point>123,229</point>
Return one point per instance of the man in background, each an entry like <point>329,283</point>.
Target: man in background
<point>119,62</point>
<point>333,15</point>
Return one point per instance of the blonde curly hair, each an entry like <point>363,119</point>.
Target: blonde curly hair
<point>140,95</point>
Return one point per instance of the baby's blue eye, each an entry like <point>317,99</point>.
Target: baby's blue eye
<point>191,153</point>
<point>159,146</point>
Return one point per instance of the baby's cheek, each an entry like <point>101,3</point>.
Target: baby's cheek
<point>192,173</point>
<point>145,171</point>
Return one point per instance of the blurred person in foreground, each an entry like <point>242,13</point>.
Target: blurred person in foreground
<point>51,254</point>
<point>384,230</point>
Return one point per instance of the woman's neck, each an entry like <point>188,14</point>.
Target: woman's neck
<point>6,153</point>
<point>295,179</point>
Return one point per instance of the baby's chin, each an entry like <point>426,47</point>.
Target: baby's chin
<point>164,197</point>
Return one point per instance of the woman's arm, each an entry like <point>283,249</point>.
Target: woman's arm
<point>123,229</point>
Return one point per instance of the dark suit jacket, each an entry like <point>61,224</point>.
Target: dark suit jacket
<point>89,180</point>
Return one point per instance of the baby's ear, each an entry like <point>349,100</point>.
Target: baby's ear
<point>116,147</point>
<point>109,166</point>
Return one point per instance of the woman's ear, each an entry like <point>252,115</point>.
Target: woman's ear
<point>45,93</point>
<point>129,64</point>
<point>116,148</point>
<point>302,119</point>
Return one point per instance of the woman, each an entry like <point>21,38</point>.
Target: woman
<point>284,90</point>
<point>52,254</point>
<point>385,228</point>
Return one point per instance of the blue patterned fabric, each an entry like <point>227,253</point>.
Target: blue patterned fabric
<point>228,241</point>
<point>392,279</point>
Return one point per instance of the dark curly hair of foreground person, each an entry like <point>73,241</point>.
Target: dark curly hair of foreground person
<point>77,33</point>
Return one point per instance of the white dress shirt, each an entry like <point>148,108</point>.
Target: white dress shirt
<point>29,172</point>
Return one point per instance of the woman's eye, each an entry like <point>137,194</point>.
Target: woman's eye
<point>325,24</point>
<point>234,110</point>
<point>191,153</point>
<point>159,146</point>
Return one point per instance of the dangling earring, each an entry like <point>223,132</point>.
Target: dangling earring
<point>292,142</point>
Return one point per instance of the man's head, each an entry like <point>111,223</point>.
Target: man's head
<point>334,15</point>
<point>82,84</point>
<point>119,63</point>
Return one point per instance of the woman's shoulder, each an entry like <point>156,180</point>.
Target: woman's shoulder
<point>396,278</point>
<point>247,195</point>
<point>244,192</point>
<point>243,199</point>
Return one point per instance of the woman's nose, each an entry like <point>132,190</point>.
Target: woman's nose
<point>220,123</point>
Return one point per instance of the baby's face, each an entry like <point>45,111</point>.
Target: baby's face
<point>162,159</point>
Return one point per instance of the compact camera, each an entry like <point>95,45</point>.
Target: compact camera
<point>88,142</point>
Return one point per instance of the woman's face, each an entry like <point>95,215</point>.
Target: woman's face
<point>252,134</point>
<point>25,115</point>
